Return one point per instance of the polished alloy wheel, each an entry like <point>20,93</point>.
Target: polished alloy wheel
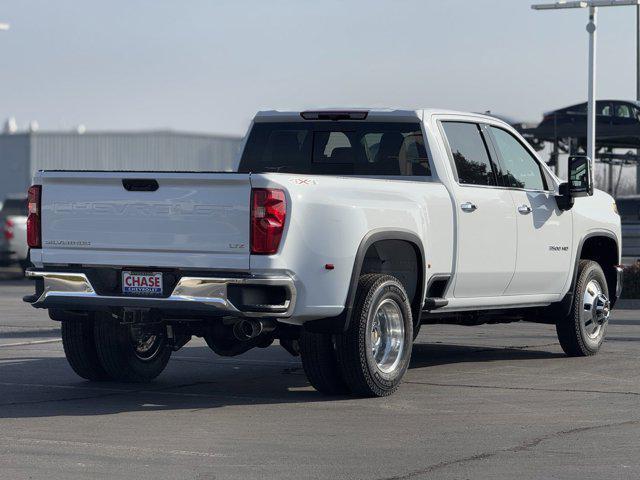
<point>147,347</point>
<point>596,309</point>
<point>387,336</point>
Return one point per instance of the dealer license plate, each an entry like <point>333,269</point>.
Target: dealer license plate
<point>142,283</point>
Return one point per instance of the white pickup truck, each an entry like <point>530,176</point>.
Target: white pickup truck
<point>340,233</point>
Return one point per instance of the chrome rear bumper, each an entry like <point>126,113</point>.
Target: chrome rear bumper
<point>74,291</point>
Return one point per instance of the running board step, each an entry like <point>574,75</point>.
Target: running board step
<point>433,303</point>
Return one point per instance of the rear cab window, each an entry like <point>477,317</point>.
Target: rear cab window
<point>362,148</point>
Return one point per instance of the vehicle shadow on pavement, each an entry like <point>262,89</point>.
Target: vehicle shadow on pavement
<point>47,387</point>
<point>430,355</point>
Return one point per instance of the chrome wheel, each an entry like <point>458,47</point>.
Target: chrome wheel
<point>387,336</point>
<point>147,347</point>
<point>596,309</point>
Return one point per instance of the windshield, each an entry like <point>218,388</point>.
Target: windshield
<point>336,148</point>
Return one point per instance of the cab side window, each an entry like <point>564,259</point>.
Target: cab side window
<point>470,153</point>
<point>519,168</point>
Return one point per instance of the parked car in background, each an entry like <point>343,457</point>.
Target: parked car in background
<point>13,241</point>
<point>522,127</point>
<point>15,232</point>
<point>514,122</point>
<point>617,124</point>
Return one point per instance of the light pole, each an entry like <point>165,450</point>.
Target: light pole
<point>592,26</point>
<point>592,29</point>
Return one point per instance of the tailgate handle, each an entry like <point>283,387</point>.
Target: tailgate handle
<point>140,184</point>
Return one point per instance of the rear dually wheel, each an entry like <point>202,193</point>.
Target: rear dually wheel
<point>374,352</point>
<point>126,357</point>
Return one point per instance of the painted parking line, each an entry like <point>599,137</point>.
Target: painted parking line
<point>33,342</point>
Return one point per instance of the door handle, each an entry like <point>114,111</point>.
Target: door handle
<point>468,207</point>
<point>524,209</point>
<point>140,184</point>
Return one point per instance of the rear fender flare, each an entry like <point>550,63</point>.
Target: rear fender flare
<point>368,240</point>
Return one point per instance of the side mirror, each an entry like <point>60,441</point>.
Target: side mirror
<point>580,182</point>
<point>580,177</point>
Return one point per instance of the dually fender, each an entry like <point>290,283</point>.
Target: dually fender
<point>341,322</point>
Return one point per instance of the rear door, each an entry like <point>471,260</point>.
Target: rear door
<point>188,220</point>
<point>486,221</point>
<point>544,231</point>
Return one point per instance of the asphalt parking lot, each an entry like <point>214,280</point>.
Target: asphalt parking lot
<point>478,402</point>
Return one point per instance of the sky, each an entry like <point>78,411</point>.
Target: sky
<point>209,65</point>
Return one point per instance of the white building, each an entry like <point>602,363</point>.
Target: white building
<point>22,154</point>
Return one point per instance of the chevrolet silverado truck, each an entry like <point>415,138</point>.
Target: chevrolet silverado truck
<point>340,233</point>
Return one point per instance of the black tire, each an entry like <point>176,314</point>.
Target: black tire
<point>118,355</point>
<point>360,371</point>
<point>320,363</point>
<point>574,338</point>
<point>80,348</point>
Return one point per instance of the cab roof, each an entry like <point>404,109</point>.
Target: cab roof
<point>360,114</point>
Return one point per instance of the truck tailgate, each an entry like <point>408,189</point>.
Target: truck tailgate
<point>192,220</point>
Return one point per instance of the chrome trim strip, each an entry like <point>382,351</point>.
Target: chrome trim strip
<point>211,291</point>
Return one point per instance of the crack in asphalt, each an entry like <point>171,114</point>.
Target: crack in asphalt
<point>524,446</point>
<point>533,389</point>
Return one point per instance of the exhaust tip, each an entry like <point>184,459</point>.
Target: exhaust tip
<point>247,329</point>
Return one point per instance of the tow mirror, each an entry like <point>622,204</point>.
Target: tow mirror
<point>580,182</point>
<point>580,177</point>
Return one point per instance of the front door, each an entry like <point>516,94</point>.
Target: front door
<point>544,231</point>
<point>485,216</point>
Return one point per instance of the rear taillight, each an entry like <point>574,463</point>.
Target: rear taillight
<point>268,214</point>
<point>34,221</point>
<point>8,229</point>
